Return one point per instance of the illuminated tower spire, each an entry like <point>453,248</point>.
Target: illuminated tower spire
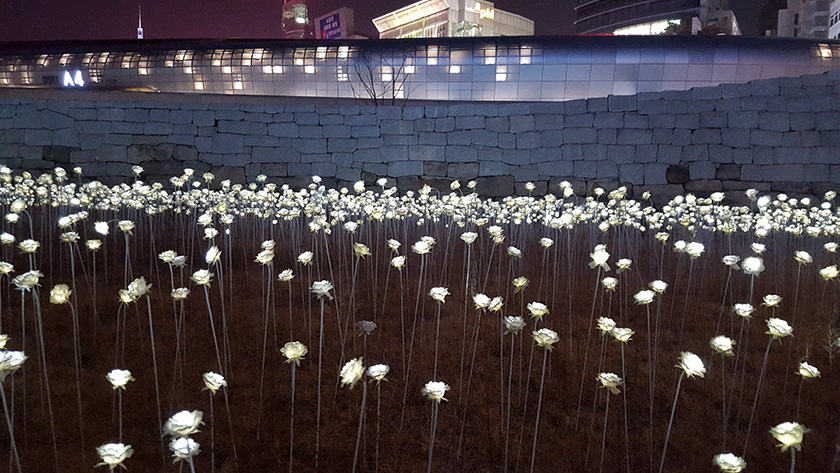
<point>139,22</point>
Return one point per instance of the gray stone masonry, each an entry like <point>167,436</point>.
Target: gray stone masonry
<point>780,134</point>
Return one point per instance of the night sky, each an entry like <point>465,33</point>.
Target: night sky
<point>44,20</point>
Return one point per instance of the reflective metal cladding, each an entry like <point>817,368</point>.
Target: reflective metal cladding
<point>499,69</point>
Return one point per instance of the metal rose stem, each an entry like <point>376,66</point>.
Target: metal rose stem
<point>604,440</point>
<point>11,430</point>
<point>361,420</point>
<point>292,421</point>
<point>37,303</point>
<point>757,393</point>
<point>154,364</point>
<point>586,349</point>
<point>539,408</point>
<point>670,422</point>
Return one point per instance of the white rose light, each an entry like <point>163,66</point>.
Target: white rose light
<point>213,381</point>
<point>113,454</point>
<point>789,434</point>
<point>378,372</point>
<point>352,372</point>
<point>119,378</point>
<point>610,381</point>
<point>644,297</point>
<point>183,424</point>
<point>439,293</point>
<point>321,289</point>
<point>778,328</point>
<point>729,463</point>
<point>752,265</point>
<point>691,364</point>
<point>435,390</point>
<point>184,449</point>
<point>537,309</point>
<point>722,344</point>
<point>808,371</point>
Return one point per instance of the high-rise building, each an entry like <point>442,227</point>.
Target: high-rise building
<point>646,17</point>
<point>337,24</point>
<point>139,22</point>
<point>834,20</point>
<point>295,23</point>
<point>448,18</point>
<point>804,18</point>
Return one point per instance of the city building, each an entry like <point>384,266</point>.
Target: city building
<point>295,22</point>
<point>834,20</point>
<point>471,69</point>
<point>652,17</point>
<point>139,22</point>
<point>451,18</point>
<point>805,19</point>
<point>338,24</point>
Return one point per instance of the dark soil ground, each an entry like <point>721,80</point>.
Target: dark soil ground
<point>694,309</point>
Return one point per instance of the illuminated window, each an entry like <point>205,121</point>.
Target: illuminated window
<point>87,58</point>
<point>188,70</point>
<point>824,51</point>
<point>432,61</point>
<point>342,76</point>
<point>246,62</point>
<point>26,77</point>
<point>43,59</point>
<point>258,54</point>
<point>65,58</point>
<point>277,69</point>
<point>501,73</point>
<point>309,69</point>
<point>399,93</point>
<point>170,63</point>
<point>409,69</point>
<point>525,60</point>
<point>217,62</point>
<point>387,74</point>
<point>226,70</point>
<point>143,71</point>
<point>343,52</point>
<point>199,85</point>
<point>454,69</point>
<point>322,52</point>
<point>237,85</point>
<point>95,76</point>
<point>299,62</point>
<point>4,78</point>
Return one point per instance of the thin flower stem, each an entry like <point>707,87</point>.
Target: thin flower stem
<point>437,340</point>
<point>119,402</point>
<point>792,459</point>
<point>212,435</point>
<point>435,406</point>
<point>586,349</point>
<point>154,364</point>
<point>320,362</point>
<point>378,405</point>
<point>604,440</point>
<point>292,422</point>
<point>671,422</point>
<point>11,430</point>
<point>539,408</point>
<point>359,430</point>
<point>757,393</point>
<point>626,429</point>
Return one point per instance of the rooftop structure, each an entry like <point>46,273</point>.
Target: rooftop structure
<point>647,17</point>
<point>804,19</point>
<point>450,18</point>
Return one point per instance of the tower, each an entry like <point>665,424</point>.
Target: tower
<point>139,22</point>
<point>295,22</point>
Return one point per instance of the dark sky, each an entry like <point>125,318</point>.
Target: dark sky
<point>35,20</point>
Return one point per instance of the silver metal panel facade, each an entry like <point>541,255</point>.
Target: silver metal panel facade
<point>468,69</point>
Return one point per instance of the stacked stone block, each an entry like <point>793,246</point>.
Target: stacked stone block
<point>778,134</point>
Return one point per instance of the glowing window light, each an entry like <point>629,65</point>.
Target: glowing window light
<point>454,69</point>
<point>226,70</point>
<point>217,62</point>
<point>237,85</point>
<point>277,69</point>
<point>188,70</point>
<point>266,69</point>
<point>258,54</point>
<point>143,71</point>
<point>321,52</point>
<point>399,93</point>
<point>387,74</point>
<point>87,58</point>
<point>824,51</point>
<point>432,61</point>
<point>489,60</point>
<point>170,63</point>
<point>409,69</point>
<point>309,69</point>
<point>246,62</point>
<point>525,60</point>
<point>654,28</point>
<point>299,62</point>
<point>65,58</point>
<point>342,76</point>
<point>43,59</point>
<point>199,85</point>
<point>343,52</point>
<point>501,73</point>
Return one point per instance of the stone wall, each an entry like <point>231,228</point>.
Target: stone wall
<point>778,134</point>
